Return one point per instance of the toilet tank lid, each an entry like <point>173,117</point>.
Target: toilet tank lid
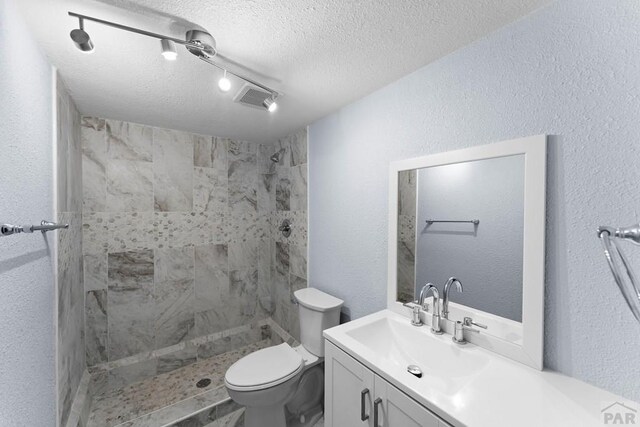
<point>317,300</point>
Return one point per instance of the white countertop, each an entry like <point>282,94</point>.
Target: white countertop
<point>500,393</point>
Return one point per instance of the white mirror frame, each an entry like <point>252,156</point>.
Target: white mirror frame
<point>534,149</point>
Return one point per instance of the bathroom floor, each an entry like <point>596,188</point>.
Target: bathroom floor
<point>173,398</point>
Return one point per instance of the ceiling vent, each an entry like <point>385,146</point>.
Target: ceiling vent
<point>252,97</point>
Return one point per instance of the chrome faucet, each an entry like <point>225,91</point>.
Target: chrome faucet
<point>435,314</point>
<point>445,300</point>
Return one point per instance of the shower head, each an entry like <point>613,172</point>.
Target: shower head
<point>277,156</point>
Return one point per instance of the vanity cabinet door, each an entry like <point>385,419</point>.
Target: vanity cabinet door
<point>399,410</point>
<point>349,390</point>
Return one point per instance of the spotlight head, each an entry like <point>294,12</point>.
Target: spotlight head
<point>224,83</point>
<point>168,50</point>
<point>270,104</point>
<point>82,40</point>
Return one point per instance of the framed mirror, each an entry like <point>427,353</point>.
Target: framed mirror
<point>476,215</point>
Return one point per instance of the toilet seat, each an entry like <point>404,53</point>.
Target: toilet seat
<point>264,368</point>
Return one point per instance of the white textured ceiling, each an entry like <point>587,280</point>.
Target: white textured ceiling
<point>321,54</point>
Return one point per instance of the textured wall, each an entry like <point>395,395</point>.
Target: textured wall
<point>486,258</point>
<point>568,70</point>
<point>178,236</point>
<point>71,360</point>
<point>27,352</point>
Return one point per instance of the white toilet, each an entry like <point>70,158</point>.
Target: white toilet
<point>282,386</point>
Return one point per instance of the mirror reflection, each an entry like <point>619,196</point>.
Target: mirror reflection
<point>464,220</point>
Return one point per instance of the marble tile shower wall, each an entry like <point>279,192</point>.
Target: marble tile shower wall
<point>70,324</point>
<point>289,265</point>
<point>178,236</point>
<point>407,195</point>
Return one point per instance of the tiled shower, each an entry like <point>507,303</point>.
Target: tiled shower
<point>70,292</point>
<point>181,257</point>
<point>407,188</point>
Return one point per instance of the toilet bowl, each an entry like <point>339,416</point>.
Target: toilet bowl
<point>282,386</point>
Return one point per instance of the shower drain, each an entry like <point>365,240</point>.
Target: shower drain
<point>203,383</point>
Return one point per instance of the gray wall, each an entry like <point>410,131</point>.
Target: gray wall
<point>486,258</point>
<point>289,267</point>
<point>180,237</point>
<point>568,70</point>
<point>27,348</point>
<point>71,356</point>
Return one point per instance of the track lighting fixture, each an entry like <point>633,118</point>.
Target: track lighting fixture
<point>270,104</point>
<point>198,42</point>
<point>224,83</point>
<point>81,38</point>
<point>168,50</point>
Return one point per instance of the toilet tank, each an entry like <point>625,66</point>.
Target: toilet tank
<point>318,311</point>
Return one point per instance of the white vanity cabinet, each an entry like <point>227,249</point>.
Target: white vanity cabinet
<point>354,395</point>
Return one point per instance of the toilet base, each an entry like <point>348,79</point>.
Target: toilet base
<point>309,420</point>
<point>265,417</point>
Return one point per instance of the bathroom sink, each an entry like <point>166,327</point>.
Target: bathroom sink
<point>465,384</point>
<point>390,341</point>
<point>403,344</point>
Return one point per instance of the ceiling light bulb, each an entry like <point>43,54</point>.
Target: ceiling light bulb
<point>270,104</point>
<point>224,83</point>
<point>82,40</point>
<point>168,50</point>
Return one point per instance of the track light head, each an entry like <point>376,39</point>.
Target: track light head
<point>82,40</point>
<point>224,83</point>
<point>270,104</point>
<point>168,50</point>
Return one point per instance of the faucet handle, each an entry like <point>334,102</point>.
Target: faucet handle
<point>458,332</point>
<point>415,313</point>
<point>468,321</point>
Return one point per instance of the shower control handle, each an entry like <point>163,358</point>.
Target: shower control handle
<point>285,228</point>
